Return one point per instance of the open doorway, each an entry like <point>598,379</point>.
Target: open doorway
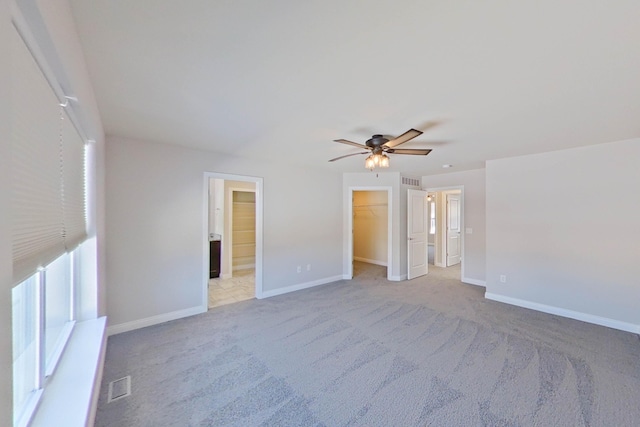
<point>446,239</point>
<point>370,233</point>
<point>234,239</point>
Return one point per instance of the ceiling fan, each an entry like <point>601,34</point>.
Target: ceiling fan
<point>379,146</point>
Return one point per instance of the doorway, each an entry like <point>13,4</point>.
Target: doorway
<point>233,224</point>
<point>370,232</point>
<point>445,211</point>
<point>367,213</point>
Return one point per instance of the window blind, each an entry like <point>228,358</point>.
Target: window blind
<point>48,201</point>
<point>73,190</point>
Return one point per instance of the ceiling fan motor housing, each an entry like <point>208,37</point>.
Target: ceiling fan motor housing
<point>376,141</point>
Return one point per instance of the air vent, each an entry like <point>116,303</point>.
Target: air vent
<point>119,389</point>
<point>413,182</point>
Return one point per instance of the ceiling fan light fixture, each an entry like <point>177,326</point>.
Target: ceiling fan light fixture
<point>368,162</point>
<point>376,161</point>
<point>384,161</point>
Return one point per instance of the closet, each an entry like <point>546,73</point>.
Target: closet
<point>370,227</point>
<point>243,230</point>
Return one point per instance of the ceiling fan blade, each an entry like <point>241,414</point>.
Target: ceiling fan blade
<point>355,144</point>
<point>407,136</point>
<point>348,155</point>
<point>414,151</point>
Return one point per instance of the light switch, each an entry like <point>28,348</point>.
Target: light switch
<point>469,230</point>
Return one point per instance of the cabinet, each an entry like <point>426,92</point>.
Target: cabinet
<point>214,259</point>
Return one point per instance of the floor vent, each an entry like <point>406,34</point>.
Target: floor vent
<point>119,389</point>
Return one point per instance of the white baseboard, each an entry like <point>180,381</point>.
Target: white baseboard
<point>400,278</point>
<point>370,261</point>
<point>476,282</point>
<point>584,317</point>
<point>244,267</point>
<point>300,286</point>
<point>154,320</point>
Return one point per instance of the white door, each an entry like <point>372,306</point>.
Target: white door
<point>417,233</point>
<point>453,229</point>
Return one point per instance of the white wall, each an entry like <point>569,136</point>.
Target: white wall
<point>370,227</point>
<point>216,206</point>
<point>155,205</point>
<point>474,217</point>
<point>563,228</point>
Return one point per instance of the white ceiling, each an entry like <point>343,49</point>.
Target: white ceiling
<point>283,78</point>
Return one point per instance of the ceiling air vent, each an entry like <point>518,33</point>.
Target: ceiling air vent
<point>413,182</point>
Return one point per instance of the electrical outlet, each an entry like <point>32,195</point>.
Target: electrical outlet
<point>299,269</point>
<point>503,278</point>
<point>308,267</point>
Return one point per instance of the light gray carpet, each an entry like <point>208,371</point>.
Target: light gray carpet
<point>367,352</point>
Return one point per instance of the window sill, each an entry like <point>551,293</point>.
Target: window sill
<point>70,396</point>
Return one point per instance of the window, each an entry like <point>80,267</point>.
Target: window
<point>49,220</point>
<point>43,318</point>
<point>25,345</point>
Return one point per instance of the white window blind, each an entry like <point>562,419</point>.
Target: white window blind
<point>73,179</point>
<point>48,169</point>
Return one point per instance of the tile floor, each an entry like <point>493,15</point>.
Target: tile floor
<point>240,287</point>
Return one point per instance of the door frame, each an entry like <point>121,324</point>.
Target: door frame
<point>348,256</point>
<point>259,189</point>
<point>439,228</point>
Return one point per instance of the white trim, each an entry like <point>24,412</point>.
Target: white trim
<point>243,267</point>
<point>60,344</point>
<point>370,261</point>
<point>28,411</point>
<point>476,282</point>
<point>300,286</point>
<point>97,383</point>
<point>71,391</point>
<point>400,278</point>
<point>153,320</point>
<point>584,317</point>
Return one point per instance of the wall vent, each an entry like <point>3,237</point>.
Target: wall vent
<point>119,389</point>
<point>413,182</point>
